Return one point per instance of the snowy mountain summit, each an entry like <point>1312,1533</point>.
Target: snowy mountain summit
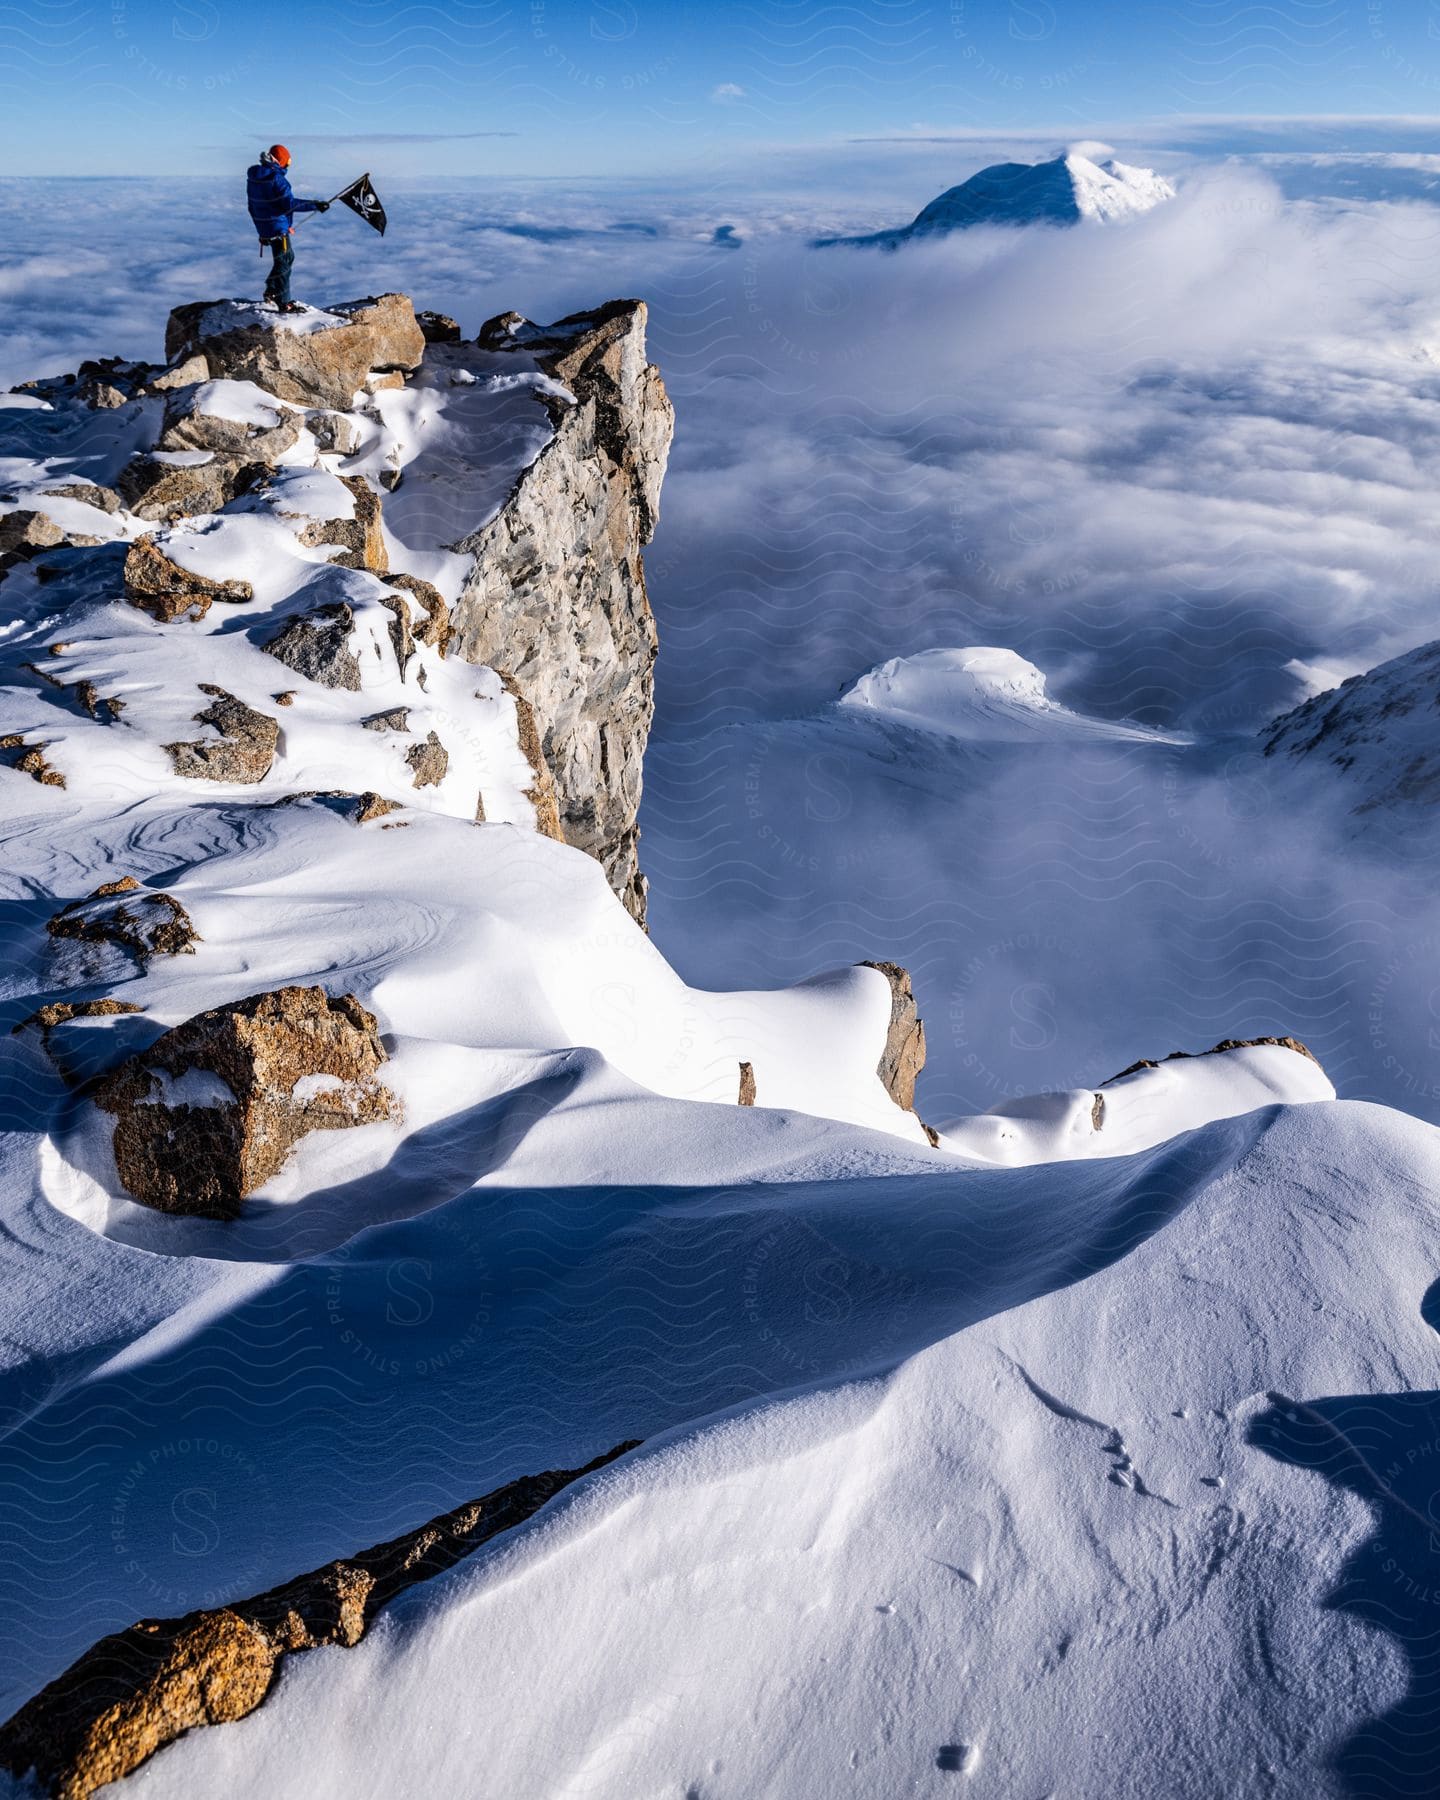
<point>1068,190</point>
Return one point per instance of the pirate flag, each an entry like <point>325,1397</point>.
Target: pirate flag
<point>361,197</point>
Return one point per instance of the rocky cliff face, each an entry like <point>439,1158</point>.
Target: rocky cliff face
<point>543,581</point>
<point>556,597</point>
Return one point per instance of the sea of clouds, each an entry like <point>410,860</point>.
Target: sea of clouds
<point>1188,467</point>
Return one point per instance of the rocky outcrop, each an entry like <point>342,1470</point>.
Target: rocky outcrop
<point>438,327</point>
<point>747,1084</point>
<point>188,427</point>
<point>904,1054</point>
<point>556,599</point>
<point>18,753</point>
<point>241,753</point>
<point>1376,738</point>
<point>436,628</point>
<point>429,761</point>
<point>317,645</point>
<point>213,1108</point>
<point>25,532</point>
<point>163,589</point>
<point>1147,1062</point>
<point>360,540</point>
<point>162,491</point>
<point>140,1689</point>
<point>145,922</point>
<point>324,360</point>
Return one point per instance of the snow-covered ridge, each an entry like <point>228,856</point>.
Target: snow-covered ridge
<point>1377,735</point>
<point>1068,190</point>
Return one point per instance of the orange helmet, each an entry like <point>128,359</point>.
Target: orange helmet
<point>279,154</point>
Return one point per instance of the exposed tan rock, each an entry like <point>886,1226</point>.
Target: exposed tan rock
<point>242,752</point>
<point>336,431</point>
<point>374,806</point>
<point>1097,1113</point>
<point>29,759</point>
<point>400,631</point>
<point>278,1064</point>
<point>163,491</point>
<point>1284,1043</point>
<point>438,327</point>
<point>904,1054</point>
<point>361,540</point>
<point>163,589</point>
<point>73,1067</point>
<point>747,1084</point>
<point>436,629</point>
<point>88,494</point>
<point>140,1689</point>
<point>189,373</point>
<point>24,533</point>
<point>313,368</point>
<point>96,703</point>
<point>395,718</point>
<point>317,645</point>
<point>147,922</point>
<point>556,598</point>
<point>185,428</point>
<point>429,762</point>
<point>541,792</point>
<point>286,697</point>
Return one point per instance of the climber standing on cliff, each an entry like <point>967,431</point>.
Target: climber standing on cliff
<point>272,206</point>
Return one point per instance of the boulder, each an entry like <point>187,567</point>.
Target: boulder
<point>187,428</point>
<point>146,922</point>
<point>88,494</point>
<point>747,1084</point>
<point>429,762</point>
<point>397,718</point>
<point>163,589</point>
<point>316,360</point>
<point>24,533</point>
<point>904,1054</point>
<point>317,645</point>
<point>436,629</point>
<point>241,753</point>
<point>438,327</point>
<point>336,431</point>
<point>161,491</point>
<point>189,373</point>
<point>213,1108</point>
<point>139,1689</point>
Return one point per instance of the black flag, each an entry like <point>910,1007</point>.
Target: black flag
<point>363,199</point>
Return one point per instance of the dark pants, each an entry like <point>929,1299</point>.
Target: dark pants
<point>277,288</point>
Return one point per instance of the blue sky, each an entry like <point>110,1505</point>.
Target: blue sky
<point>632,87</point>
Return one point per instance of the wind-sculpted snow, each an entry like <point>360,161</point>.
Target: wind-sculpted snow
<point>1111,1528</point>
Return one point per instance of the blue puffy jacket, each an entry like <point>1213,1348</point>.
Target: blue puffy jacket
<point>267,193</point>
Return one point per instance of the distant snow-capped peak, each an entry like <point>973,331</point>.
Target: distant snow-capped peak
<point>1070,189</point>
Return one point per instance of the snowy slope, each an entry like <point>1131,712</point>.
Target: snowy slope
<point>1068,190</point>
<point>1147,1518</point>
<point>1374,740</point>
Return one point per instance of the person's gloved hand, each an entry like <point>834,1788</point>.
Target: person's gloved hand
<point>322,206</point>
